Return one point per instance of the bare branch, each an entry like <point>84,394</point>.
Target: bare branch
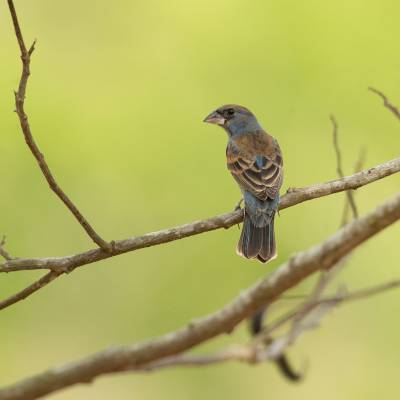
<point>34,287</point>
<point>266,291</point>
<point>393,109</point>
<point>357,168</point>
<point>363,293</point>
<point>23,118</point>
<point>246,354</point>
<point>295,196</point>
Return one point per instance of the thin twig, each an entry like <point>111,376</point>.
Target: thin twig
<point>23,118</point>
<point>395,111</point>
<point>357,168</point>
<point>241,353</point>
<point>339,167</point>
<point>327,276</point>
<point>34,287</point>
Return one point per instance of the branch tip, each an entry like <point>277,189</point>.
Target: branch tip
<point>391,107</point>
<point>32,48</point>
<point>26,129</point>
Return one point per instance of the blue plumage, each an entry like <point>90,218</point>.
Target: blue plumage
<point>255,161</point>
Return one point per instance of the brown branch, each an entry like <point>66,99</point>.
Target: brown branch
<point>246,354</point>
<point>357,168</point>
<point>295,196</point>
<point>393,109</point>
<point>266,291</point>
<point>23,118</point>
<point>34,287</point>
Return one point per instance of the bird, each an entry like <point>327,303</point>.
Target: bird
<point>255,161</point>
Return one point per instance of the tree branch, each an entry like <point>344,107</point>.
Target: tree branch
<point>23,118</point>
<point>266,291</point>
<point>60,265</point>
<point>293,197</point>
<point>34,287</point>
<point>393,109</point>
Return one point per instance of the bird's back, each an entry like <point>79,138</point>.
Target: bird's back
<point>256,163</point>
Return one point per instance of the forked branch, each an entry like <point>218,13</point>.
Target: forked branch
<point>23,119</point>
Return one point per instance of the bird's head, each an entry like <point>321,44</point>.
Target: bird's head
<point>234,119</point>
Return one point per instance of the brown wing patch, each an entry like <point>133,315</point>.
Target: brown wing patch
<point>260,174</point>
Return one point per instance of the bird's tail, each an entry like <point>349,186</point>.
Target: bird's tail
<point>257,242</point>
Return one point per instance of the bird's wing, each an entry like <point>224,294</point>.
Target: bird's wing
<point>261,175</point>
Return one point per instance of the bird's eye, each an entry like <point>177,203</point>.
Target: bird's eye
<point>230,112</point>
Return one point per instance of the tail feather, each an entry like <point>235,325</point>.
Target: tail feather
<point>257,242</point>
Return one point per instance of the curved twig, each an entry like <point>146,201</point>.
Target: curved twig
<point>392,108</point>
<point>23,118</point>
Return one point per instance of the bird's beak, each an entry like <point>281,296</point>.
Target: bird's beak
<point>215,118</point>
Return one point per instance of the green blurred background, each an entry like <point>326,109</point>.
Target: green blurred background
<point>116,101</point>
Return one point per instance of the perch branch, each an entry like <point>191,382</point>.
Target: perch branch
<point>293,197</point>
<point>60,265</point>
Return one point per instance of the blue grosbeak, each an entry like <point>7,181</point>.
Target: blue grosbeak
<point>255,161</point>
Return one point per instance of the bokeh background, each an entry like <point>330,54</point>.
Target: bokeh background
<point>116,101</point>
